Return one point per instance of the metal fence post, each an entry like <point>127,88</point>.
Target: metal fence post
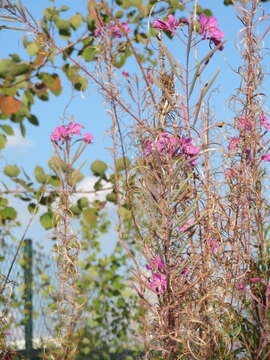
<point>28,298</point>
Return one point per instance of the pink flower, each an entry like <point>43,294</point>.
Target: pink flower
<point>213,244</point>
<point>187,225</point>
<point>98,31</point>
<point>266,157</point>
<point>185,272</point>
<point>244,124</point>
<point>148,145</point>
<point>230,173</point>
<point>149,77</point>
<point>118,30</point>
<point>158,282</point>
<point>64,132</point>
<point>125,74</point>
<point>210,30</point>
<point>88,138</point>
<point>59,133</point>
<point>234,141</point>
<point>241,286</point>
<point>169,25</point>
<point>156,264</point>
<point>255,280</point>
<point>188,148</point>
<point>265,122</point>
<point>74,129</point>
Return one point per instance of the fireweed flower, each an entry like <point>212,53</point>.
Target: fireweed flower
<point>64,133</point>
<point>116,30</point>
<point>149,77</point>
<point>156,264</point>
<point>241,286</point>
<point>266,157</point>
<point>234,141</point>
<point>210,30</point>
<point>125,74</point>
<point>167,145</point>
<point>74,129</point>
<point>158,279</point>
<point>88,138</point>
<point>244,124</point>
<point>255,280</point>
<point>158,282</point>
<point>265,122</point>
<point>230,173</point>
<point>213,245</point>
<point>169,25</point>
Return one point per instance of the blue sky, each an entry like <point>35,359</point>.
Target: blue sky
<point>89,109</point>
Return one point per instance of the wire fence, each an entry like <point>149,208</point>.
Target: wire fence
<point>26,304</point>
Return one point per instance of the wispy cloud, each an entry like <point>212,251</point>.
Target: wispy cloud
<point>88,185</point>
<point>19,142</point>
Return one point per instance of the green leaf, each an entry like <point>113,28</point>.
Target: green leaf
<point>63,27</point>
<point>57,164</point>
<point>207,12</point>
<point>54,181</point>
<point>64,8</point>
<point>15,58</point>
<point>83,202</point>
<point>33,120</point>
<point>75,210</point>
<point>76,21</point>
<point>47,220</point>
<point>40,175</point>
<point>80,84</point>
<point>32,208</point>
<point>125,213</point>
<point>22,129</point>
<point>7,129</point>
<point>89,53</point>
<point>3,201</point>
<point>8,213</point>
<point>75,177</point>
<point>235,332</point>
<point>90,216</point>
<point>32,49</point>
<point>99,167</point>
<point>11,170</point>
<point>121,163</point>
<point>111,197</point>
<point>3,141</point>
<point>4,66</point>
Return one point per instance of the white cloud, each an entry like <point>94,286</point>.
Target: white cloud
<point>88,185</point>
<point>19,142</point>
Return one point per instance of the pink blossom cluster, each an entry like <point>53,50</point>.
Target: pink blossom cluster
<point>265,122</point>
<point>169,145</point>
<point>244,123</point>
<point>169,25</point>
<point>64,133</point>
<point>230,173</point>
<point>233,144</point>
<point>116,30</point>
<point>210,30</point>
<point>158,280</point>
